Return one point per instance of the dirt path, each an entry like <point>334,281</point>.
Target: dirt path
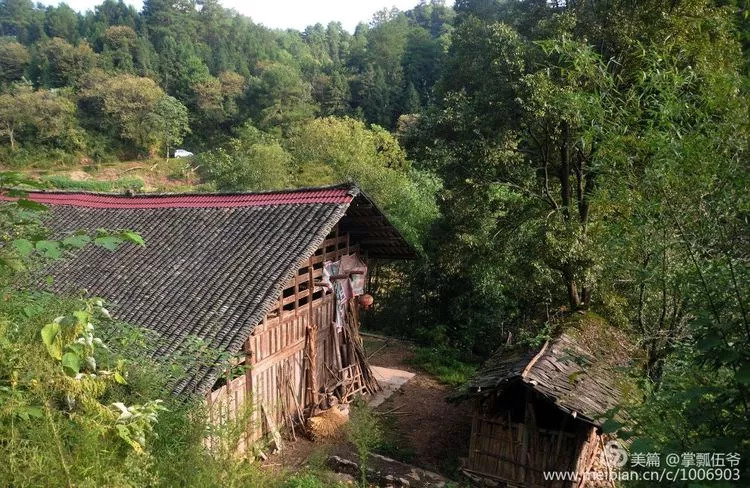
<point>420,427</point>
<point>433,433</point>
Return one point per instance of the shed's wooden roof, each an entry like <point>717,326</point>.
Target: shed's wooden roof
<point>580,373</point>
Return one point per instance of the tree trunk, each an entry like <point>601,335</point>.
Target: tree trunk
<point>11,134</point>
<point>565,173</point>
<point>574,296</point>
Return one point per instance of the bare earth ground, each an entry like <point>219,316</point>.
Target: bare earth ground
<point>421,428</point>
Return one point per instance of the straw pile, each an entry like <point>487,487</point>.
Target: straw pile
<point>327,424</point>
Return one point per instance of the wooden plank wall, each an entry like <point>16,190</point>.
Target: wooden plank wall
<point>275,350</point>
<point>497,448</point>
<point>228,403</point>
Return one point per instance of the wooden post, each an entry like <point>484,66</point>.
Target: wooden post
<point>312,345</point>
<point>474,433</point>
<point>525,442</point>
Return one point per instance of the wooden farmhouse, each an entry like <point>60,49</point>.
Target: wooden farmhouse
<point>538,410</point>
<point>273,279</point>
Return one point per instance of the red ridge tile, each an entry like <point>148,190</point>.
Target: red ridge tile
<point>332,195</point>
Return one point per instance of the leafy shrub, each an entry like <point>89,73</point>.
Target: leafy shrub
<point>365,432</point>
<point>332,150</point>
<point>442,363</point>
<point>251,161</point>
<point>65,183</point>
<point>35,157</point>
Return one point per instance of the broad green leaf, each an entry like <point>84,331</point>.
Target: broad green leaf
<point>23,246</point>
<point>30,204</point>
<point>108,242</point>
<point>82,316</point>
<point>27,412</point>
<point>76,241</point>
<point>51,340</point>
<point>55,350</point>
<point>49,332</point>
<point>133,237</point>
<point>49,249</point>
<point>71,363</point>
<point>120,379</point>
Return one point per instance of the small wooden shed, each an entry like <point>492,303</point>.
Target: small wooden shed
<point>540,410</point>
<point>270,278</point>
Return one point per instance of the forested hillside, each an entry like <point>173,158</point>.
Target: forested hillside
<point>199,70</point>
<point>546,158</point>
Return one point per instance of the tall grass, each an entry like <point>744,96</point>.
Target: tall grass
<point>65,183</point>
<point>442,363</point>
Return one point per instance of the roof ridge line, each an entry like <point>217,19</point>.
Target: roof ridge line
<point>351,186</point>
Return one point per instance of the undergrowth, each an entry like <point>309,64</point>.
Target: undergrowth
<point>65,183</point>
<point>443,364</point>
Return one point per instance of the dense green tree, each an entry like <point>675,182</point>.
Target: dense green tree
<point>331,149</point>
<point>41,116</point>
<point>116,12</point>
<point>253,160</point>
<point>19,19</point>
<point>62,21</point>
<point>169,120</point>
<point>336,97</point>
<point>14,60</point>
<point>125,105</point>
<point>519,142</point>
<point>422,63</point>
<point>338,43</point>
<point>120,44</point>
<point>280,97</point>
<point>60,63</point>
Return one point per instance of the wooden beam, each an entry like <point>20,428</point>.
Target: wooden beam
<point>367,218</point>
<point>367,229</point>
<point>376,242</point>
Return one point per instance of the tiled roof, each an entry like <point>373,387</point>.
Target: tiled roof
<point>187,200</point>
<point>213,265</point>
<point>567,371</point>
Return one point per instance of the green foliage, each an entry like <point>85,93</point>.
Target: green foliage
<point>169,120</point>
<point>65,183</point>
<point>310,480</point>
<point>134,109</point>
<point>604,168</point>
<point>14,60</point>
<point>365,432</point>
<point>60,63</point>
<point>41,115</point>
<point>442,363</point>
<point>333,149</point>
<point>253,160</point>
<point>223,67</point>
